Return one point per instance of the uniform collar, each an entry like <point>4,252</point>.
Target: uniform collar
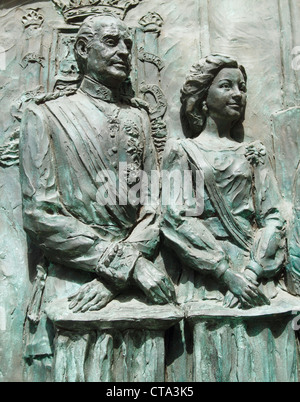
<point>99,91</point>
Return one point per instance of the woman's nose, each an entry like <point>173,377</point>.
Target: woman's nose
<point>237,94</point>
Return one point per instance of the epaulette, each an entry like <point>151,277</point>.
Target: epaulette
<point>46,97</point>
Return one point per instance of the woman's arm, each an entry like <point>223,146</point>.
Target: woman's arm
<point>187,235</point>
<point>191,240</point>
<point>268,252</point>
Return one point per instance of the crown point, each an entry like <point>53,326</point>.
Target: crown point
<point>75,11</point>
<point>151,22</point>
<point>32,19</point>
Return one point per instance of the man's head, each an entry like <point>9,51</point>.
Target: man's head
<point>103,50</point>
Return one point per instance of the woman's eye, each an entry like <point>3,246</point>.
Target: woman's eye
<point>226,86</point>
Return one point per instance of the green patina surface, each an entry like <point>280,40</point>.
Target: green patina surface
<point>58,239</point>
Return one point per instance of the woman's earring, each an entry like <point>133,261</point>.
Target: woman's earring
<point>204,108</point>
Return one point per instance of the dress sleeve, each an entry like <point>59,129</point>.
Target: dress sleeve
<point>269,244</point>
<point>63,238</point>
<point>184,231</point>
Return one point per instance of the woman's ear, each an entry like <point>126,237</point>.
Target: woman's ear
<point>193,119</point>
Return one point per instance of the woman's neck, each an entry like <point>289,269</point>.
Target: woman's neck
<point>217,134</point>
<point>217,129</point>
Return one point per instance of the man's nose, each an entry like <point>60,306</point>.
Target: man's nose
<point>123,49</point>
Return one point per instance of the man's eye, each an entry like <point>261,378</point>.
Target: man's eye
<point>243,88</point>
<point>110,42</point>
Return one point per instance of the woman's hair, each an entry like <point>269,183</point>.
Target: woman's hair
<point>195,90</point>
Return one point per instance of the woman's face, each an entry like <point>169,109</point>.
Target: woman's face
<point>226,99</point>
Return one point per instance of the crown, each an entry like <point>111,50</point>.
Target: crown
<point>151,22</point>
<point>75,11</point>
<point>33,19</point>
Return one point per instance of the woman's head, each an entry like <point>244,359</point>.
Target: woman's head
<point>204,93</point>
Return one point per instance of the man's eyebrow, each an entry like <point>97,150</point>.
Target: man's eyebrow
<point>111,35</point>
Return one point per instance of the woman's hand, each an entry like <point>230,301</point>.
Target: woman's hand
<point>243,291</point>
<point>92,296</point>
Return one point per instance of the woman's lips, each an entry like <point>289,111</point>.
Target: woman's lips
<point>234,105</point>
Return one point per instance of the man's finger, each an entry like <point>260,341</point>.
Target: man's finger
<point>84,301</point>
<point>98,306</point>
<point>79,294</point>
<point>98,298</point>
<point>75,299</point>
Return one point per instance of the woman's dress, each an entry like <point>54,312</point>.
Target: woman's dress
<point>240,225</point>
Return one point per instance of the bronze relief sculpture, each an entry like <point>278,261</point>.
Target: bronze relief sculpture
<point>232,248</point>
<point>98,246</point>
<point>66,146</point>
<point>148,236</point>
<point>239,240</point>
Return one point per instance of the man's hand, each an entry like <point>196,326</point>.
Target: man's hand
<point>92,296</point>
<point>243,291</point>
<point>156,285</point>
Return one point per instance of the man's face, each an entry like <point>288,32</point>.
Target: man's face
<point>109,53</point>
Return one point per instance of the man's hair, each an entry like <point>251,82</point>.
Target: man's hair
<point>87,32</point>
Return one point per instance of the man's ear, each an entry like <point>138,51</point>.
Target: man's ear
<point>81,48</point>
